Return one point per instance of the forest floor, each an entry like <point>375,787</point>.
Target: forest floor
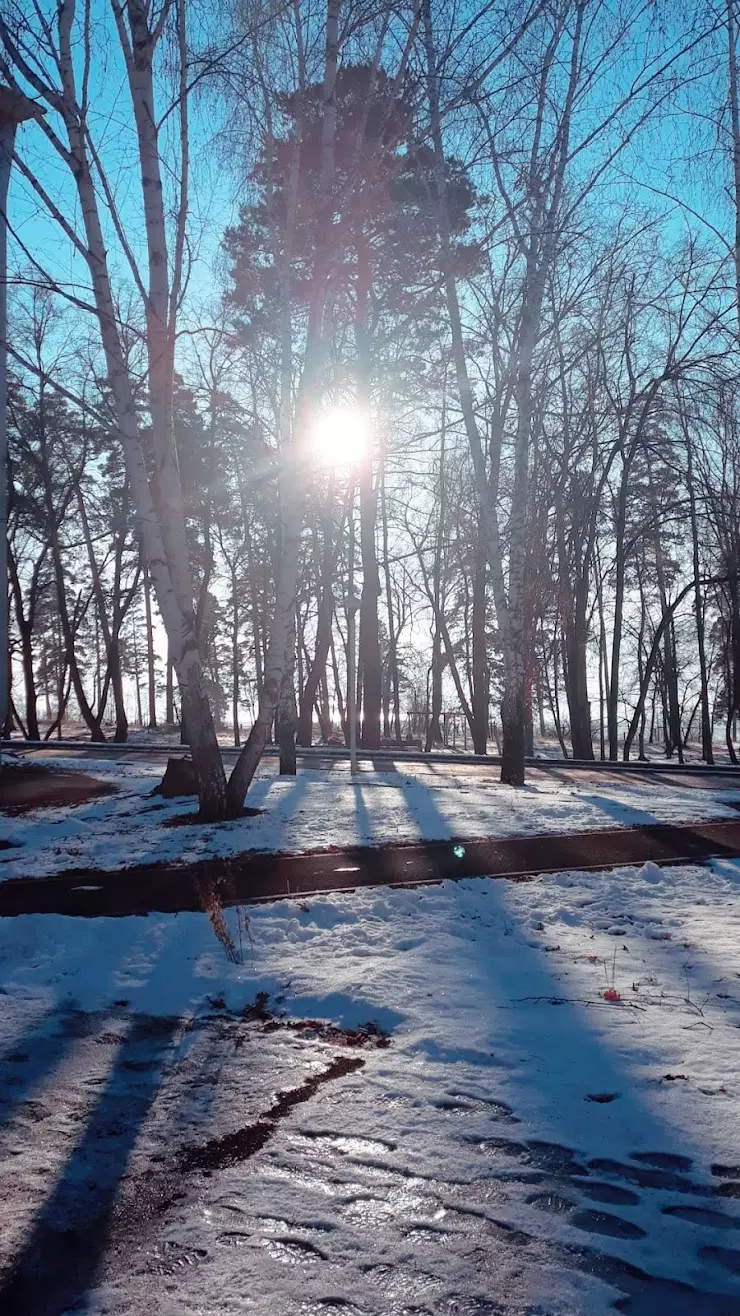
<point>466,1099</point>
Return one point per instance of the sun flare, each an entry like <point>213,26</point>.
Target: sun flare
<point>341,436</point>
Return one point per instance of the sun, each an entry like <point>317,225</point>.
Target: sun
<point>340,436</point>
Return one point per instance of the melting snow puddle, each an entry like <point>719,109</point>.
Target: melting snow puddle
<point>348,1146</point>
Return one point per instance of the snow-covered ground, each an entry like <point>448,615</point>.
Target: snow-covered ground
<point>320,809</point>
<point>521,1144</point>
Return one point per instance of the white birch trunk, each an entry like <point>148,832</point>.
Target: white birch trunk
<point>159,510</point>
<point>7,137</point>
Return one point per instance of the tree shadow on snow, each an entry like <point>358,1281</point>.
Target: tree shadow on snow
<point>37,1053</point>
<point>421,807</point>
<point>262,793</point>
<point>63,1249</point>
<point>583,1128</point>
<point>624,814</point>
<point>366,832</point>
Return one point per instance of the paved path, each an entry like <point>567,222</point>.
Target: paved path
<point>323,758</point>
<point>254,876</point>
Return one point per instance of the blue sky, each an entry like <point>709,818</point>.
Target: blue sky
<point>213,186</point>
<point>660,158</point>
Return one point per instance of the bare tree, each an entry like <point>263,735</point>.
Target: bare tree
<point>41,57</point>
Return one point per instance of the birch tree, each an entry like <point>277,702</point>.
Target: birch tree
<point>57,57</point>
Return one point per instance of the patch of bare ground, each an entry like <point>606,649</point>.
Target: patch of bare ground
<point>28,786</point>
<point>243,1143</point>
<point>367,1035</point>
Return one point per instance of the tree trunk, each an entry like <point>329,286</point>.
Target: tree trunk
<point>338,691</point>
<point>137,684</point>
<point>733,682</point>
<point>110,630</point>
<point>86,713</point>
<point>620,567</point>
<point>151,673</point>
<point>434,730</point>
<point>576,671</point>
<point>513,719</point>
<point>158,503</point>
<point>285,724</point>
<point>29,682</point>
<point>393,678</point>
<point>25,631</point>
<point>528,722</point>
<point>323,710</point>
<point>538,251</point>
<point>673,712</point>
<point>7,141</point>
<point>317,671</point>
<point>369,663</point>
<point>648,672</point>
<point>116,679</point>
<point>279,653</point>
<point>278,660</point>
<point>479,694</point>
<point>169,714</point>
<point>706,720</point>
<point>235,665</point>
<point>254,603</point>
<point>603,669</point>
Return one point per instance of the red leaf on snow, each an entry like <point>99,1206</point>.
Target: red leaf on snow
<point>611,995</point>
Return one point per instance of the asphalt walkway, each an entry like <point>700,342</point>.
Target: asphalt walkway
<point>257,876</point>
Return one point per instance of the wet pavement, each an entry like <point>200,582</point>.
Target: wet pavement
<point>254,876</point>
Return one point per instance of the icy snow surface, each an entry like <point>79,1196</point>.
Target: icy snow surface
<point>519,1141</point>
<point>320,809</point>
